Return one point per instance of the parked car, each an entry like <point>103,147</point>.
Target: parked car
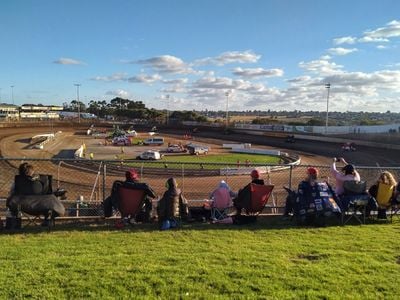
<point>154,141</point>
<point>150,155</point>
<point>197,149</point>
<point>121,141</point>
<point>175,149</point>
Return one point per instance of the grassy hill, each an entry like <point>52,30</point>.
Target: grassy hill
<point>265,260</point>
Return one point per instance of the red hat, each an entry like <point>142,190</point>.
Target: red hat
<point>255,174</point>
<point>131,174</point>
<point>312,171</point>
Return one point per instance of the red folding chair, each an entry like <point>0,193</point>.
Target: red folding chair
<point>130,203</point>
<point>259,198</point>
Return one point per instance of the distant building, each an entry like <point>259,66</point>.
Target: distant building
<point>32,111</point>
<point>9,112</point>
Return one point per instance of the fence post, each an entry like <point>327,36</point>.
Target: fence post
<point>183,178</point>
<point>104,180</point>
<point>290,176</point>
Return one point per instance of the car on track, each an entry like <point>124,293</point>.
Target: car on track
<point>197,149</point>
<point>176,149</point>
<point>348,147</point>
<point>121,141</point>
<point>150,155</point>
<point>156,141</point>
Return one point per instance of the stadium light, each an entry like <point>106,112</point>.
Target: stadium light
<point>79,103</point>
<point>227,109</point>
<point>328,87</point>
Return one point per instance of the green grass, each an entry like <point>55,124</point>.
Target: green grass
<point>273,261</point>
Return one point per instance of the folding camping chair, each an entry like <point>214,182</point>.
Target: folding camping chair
<point>354,201</point>
<point>259,198</point>
<point>34,207</point>
<point>384,198</point>
<point>395,208</point>
<point>221,204</point>
<point>130,203</point>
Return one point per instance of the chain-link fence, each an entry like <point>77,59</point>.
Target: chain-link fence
<point>89,182</point>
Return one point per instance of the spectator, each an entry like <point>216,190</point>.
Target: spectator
<point>26,182</point>
<point>243,199</point>
<point>131,181</point>
<point>383,191</point>
<point>348,173</point>
<point>222,196</point>
<point>313,200</point>
<point>305,189</point>
<point>172,205</point>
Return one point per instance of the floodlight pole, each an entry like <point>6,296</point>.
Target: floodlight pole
<point>328,87</point>
<point>12,94</point>
<point>227,110</point>
<point>167,97</point>
<point>79,103</point>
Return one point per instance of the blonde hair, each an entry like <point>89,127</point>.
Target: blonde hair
<point>387,178</point>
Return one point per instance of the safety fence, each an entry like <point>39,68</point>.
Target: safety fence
<point>88,183</point>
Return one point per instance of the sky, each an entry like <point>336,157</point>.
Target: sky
<point>198,55</point>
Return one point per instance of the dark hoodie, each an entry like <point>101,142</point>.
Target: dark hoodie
<point>172,204</point>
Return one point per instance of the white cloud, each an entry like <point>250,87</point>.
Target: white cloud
<point>258,72</point>
<point>68,61</point>
<point>113,77</point>
<point>229,58</point>
<point>321,67</point>
<point>143,78</point>
<point>368,39</point>
<point>341,51</point>
<point>345,40</point>
<point>166,64</point>
<point>326,57</point>
<point>175,81</point>
<point>118,93</point>
<point>392,29</point>
<point>381,47</point>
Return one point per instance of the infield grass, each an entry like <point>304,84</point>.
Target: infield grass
<point>269,259</point>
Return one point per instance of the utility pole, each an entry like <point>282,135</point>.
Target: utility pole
<point>328,87</point>
<point>79,103</point>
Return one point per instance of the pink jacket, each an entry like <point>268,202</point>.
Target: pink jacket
<point>340,178</point>
<point>221,197</point>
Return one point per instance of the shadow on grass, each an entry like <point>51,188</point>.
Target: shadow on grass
<point>108,225</point>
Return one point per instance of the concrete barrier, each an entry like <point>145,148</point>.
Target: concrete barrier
<point>257,151</point>
<point>237,146</point>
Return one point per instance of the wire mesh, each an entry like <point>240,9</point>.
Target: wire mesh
<point>89,182</point>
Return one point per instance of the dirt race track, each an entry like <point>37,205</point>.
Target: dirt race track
<point>80,181</point>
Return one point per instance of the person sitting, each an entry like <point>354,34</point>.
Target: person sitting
<point>132,182</point>
<point>27,182</point>
<point>348,174</point>
<point>243,199</point>
<point>24,192</point>
<point>313,200</point>
<point>383,191</point>
<point>222,196</point>
<point>172,205</point>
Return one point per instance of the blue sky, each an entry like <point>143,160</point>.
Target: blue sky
<point>265,54</point>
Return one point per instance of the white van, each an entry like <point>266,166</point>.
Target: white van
<point>150,155</point>
<point>154,141</point>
